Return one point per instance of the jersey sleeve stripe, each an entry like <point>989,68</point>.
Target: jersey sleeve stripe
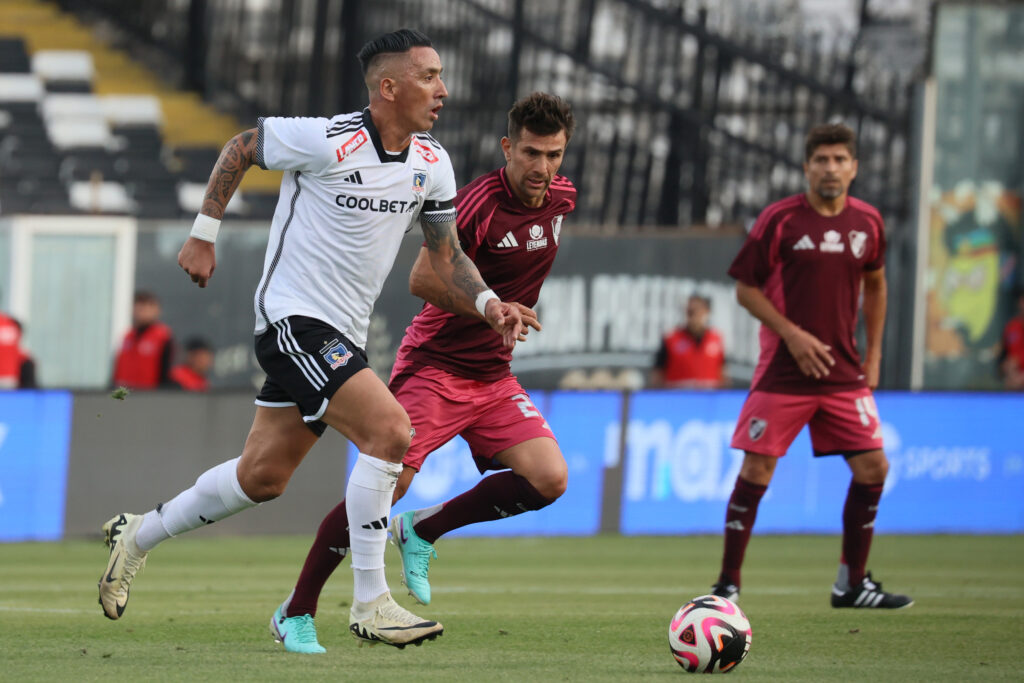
<point>334,132</point>
<point>428,139</point>
<point>768,216</point>
<point>346,120</point>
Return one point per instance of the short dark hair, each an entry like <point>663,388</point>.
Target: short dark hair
<point>143,296</point>
<point>197,344</point>
<point>396,42</point>
<point>541,114</point>
<point>830,134</point>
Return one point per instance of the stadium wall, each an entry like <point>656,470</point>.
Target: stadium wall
<point>68,462</point>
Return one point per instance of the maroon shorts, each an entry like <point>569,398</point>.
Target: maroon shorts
<point>842,423</point>
<point>490,416</point>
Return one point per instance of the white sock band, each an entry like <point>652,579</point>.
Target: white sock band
<point>205,228</point>
<point>374,473</point>
<point>368,502</point>
<point>216,495</point>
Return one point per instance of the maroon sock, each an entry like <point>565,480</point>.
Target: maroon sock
<point>500,495</point>
<point>323,558</point>
<point>859,527</point>
<point>739,522</point>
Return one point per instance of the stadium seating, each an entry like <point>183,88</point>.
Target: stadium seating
<point>83,129</point>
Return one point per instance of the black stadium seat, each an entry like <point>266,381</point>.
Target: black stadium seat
<point>13,56</point>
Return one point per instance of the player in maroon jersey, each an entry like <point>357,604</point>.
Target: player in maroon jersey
<point>452,373</point>
<point>801,272</point>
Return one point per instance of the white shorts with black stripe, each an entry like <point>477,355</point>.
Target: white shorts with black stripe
<point>306,361</point>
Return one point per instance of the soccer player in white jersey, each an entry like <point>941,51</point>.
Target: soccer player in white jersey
<point>353,186</point>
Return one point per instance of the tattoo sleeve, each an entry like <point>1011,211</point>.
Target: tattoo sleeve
<point>235,159</point>
<point>460,276</point>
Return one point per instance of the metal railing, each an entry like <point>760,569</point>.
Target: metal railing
<point>686,115</point>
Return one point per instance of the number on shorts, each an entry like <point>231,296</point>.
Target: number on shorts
<point>866,409</point>
<point>525,405</point>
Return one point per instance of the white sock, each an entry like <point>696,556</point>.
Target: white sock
<point>843,577</point>
<point>368,502</point>
<point>151,531</point>
<point>368,584</point>
<point>287,603</point>
<point>215,496</point>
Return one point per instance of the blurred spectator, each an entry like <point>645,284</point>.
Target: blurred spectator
<point>10,352</point>
<point>144,361</point>
<point>192,374</point>
<point>26,363</point>
<point>1011,358</point>
<point>692,355</point>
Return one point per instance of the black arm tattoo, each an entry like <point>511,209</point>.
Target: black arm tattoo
<point>463,280</point>
<point>235,159</point>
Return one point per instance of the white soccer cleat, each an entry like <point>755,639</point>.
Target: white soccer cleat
<point>385,621</point>
<point>126,558</point>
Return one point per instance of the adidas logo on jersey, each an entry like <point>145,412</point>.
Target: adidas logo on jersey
<point>353,178</point>
<point>805,242</point>
<point>508,241</point>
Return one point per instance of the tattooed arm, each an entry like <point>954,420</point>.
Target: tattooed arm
<point>198,257</point>
<point>424,283</point>
<point>460,282</point>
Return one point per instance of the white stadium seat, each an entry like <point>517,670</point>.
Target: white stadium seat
<point>100,197</point>
<point>132,110</point>
<point>67,133</point>
<point>71,106</point>
<point>63,65</point>
<point>21,88</point>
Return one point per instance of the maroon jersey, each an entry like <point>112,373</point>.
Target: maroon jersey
<point>514,247</point>
<point>810,267</point>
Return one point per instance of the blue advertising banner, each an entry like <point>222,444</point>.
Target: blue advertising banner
<point>957,465</point>
<point>450,470</point>
<point>35,428</point>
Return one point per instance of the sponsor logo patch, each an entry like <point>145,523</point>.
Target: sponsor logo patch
<point>335,353</point>
<point>833,243</point>
<point>352,144</point>
<point>376,204</point>
<point>424,151</point>
<point>538,240</point>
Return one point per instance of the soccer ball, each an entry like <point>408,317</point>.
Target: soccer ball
<point>709,634</point>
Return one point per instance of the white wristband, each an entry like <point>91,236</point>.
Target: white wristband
<point>205,228</point>
<point>482,298</point>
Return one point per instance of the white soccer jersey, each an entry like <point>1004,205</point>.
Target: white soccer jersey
<point>345,204</point>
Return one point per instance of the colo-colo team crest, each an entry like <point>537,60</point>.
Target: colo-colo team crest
<point>335,353</point>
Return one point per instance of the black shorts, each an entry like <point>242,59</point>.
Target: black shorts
<point>306,361</point>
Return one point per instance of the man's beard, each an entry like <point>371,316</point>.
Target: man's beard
<point>827,192</point>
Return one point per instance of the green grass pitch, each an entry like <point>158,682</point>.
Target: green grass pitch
<point>552,609</point>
